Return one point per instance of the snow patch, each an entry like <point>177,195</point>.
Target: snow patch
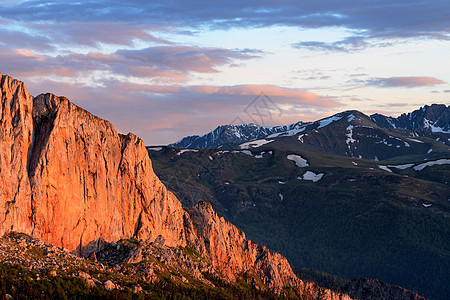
<point>428,124</point>
<point>222,152</point>
<point>311,176</point>
<point>426,204</point>
<point>281,196</point>
<point>429,151</point>
<point>355,163</point>
<point>186,150</point>
<point>247,152</point>
<point>385,168</point>
<point>299,161</point>
<point>287,133</point>
<point>328,121</point>
<point>259,155</point>
<point>401,167</point>
<point>350,135</point>
<point>442,161</point>
<point>351,118</point>
<point>155,148</point>
<point>416,141</point>
<point>254,144</point>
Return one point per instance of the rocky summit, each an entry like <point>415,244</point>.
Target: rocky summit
<point>349,133</point>
<point>72,185</point>
<point>231,135</point>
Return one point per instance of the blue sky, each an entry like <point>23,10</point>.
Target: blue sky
<point>168,69</point>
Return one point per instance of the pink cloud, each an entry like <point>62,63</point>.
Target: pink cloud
<point>162,114</point>
<point>188,58</point>
<point>287,95</point>
<point>167,64</point>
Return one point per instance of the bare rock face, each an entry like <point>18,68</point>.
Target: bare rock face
<point>16,134</point>
<point>230,251</point>
<point>89,182</point>
<point>70,179</point>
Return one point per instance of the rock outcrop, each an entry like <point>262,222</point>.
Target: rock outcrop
<point>16,134</point>
<point>70,179</point>
<point>372,289</point>
<point>225,245</point>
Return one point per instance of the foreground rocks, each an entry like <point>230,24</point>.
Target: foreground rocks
<point>128,267</point>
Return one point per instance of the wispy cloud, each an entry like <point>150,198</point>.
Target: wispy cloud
<point>350,44</point>
<point>414,81</point>
<point>160,63</point>
<point>164,114</point>
<point>94,33</point>
<point>377,18</point>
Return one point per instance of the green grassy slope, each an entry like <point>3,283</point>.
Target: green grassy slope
<point>358,220</point>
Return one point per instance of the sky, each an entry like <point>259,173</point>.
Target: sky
<point>168,69</point>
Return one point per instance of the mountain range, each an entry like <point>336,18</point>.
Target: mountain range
<point>231,134</point>
<point>327,214</point>
<point>69,179</point>
<point>349,133</point>
<point>83,214</point>
<point>350,195</point>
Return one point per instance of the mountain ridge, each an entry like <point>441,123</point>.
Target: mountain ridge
<point>230,134</point>
<point>71,180</point>
<point>429,121</point>
<point>356,214</point>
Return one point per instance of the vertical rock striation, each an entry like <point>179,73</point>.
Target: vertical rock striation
<point>16,134</point>
<point>90,182</point>
<point>69,178</point>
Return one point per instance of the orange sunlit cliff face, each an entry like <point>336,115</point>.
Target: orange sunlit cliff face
<point>69,178</point>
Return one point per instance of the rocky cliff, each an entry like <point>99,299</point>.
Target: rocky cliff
<point>69,178</point>
<point>16,134</point>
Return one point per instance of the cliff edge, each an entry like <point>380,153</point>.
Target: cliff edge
<point>70,179</point>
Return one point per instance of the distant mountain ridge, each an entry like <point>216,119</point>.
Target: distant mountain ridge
<point>428,121</point>
<point>434,118</point>
<point>231,134</point>
<point>350,133</point>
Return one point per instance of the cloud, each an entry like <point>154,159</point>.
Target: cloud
<point>94,33</point>
<point>106,50</point>
<point>164,114</point>
<point>163,64</point>
<point>384,18</point>
<point>235,93</point>
<point>185,58</point>
<point>350,44</point>
<point>415,81</point>
<point>15,38</point>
